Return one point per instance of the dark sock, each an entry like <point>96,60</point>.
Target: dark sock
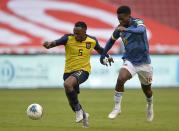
<point>73,100</point>
<point>77,89</point>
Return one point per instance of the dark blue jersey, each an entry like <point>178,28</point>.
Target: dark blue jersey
<point>135,42</point>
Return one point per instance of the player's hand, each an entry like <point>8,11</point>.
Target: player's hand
<point>103,60</point>
<point>46,44</point>
<point>106,60</point>
<point>121,28</point>
<point>110,60</point>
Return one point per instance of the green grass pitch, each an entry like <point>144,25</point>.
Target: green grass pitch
<point>97,102</point>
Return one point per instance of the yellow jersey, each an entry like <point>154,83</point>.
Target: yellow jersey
<point>78,53</point>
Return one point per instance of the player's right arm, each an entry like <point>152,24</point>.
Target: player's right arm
<point>109,44</point>
<point>62,41</point>
<point>111,41</point>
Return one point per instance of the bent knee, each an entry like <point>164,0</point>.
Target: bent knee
<point>121,80</point>
<point>67,85</point>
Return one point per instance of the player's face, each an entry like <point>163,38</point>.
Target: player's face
<point>124,19</point>
<point>79,33</point>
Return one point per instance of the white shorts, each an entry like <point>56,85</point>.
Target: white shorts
<point>144,71</point>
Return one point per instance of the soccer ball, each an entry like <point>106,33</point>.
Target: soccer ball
<point>35,111</point>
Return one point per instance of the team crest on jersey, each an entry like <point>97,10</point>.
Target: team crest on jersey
<point>88,45</point>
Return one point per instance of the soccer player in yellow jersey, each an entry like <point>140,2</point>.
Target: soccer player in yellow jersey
<point>78,48</point>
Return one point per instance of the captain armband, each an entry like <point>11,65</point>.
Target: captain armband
<point>113,38</point>
<point>115,34</point>
<point>140,23</point>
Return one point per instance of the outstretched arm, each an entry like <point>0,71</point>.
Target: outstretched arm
<point>109,44</point>
<point>100,50</point>
<point>111,41</point>
<point>62,41</point>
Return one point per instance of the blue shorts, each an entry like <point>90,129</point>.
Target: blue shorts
<point>80,75</point>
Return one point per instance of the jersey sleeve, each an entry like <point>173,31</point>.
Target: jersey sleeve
<point>62,41</point>
<point>139,28</point>
<point>100,49</point>
<point>115,34</point>
<point>97,46</point>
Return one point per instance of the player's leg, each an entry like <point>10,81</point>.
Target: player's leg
<point>65,76</point>
<point>126,72</point>
<point>149,98</point>
<point>81,76</point>
<point>71,94</point>
<point>72,82</point>
<point>145,77</point>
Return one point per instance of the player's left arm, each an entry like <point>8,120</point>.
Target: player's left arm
<point>140,28</point>
<point>100,50</point>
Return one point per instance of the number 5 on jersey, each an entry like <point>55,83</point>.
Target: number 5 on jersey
<point>80,53</point>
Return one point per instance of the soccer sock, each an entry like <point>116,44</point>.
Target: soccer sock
<point>118,99</point>
<point>73,100</point>
<point>71,105</point>
<point>149,100</point>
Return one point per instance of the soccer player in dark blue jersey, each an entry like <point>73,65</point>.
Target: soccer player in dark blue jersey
<point>136,58</point>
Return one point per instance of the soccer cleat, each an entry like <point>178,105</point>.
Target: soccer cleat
<point>85,120</point>
<point>114,113</point>
<point>150,112</point>
<point>79,116</point>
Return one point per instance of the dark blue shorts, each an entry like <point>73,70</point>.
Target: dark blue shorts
<point>80,75</point>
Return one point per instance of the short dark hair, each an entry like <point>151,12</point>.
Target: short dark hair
<point>81,24</point>
<point>124,10</point>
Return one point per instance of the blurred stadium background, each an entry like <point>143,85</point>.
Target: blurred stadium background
<point>25,64</point>
<point>25,24</point>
